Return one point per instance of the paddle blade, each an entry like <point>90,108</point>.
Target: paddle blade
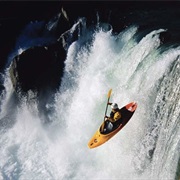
<point>109,93</point>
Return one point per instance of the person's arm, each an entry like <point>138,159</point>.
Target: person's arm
<point>108,118</point>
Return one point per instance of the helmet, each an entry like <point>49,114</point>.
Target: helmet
<point>114,106</point>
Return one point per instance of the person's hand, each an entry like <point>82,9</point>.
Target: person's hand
<point>106,117</point>
<point>109,103</point>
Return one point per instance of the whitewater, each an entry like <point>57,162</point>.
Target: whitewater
<point>146,148</point>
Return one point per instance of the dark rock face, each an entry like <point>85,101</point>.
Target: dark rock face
<point>38,68</point>
<point>41,67</point>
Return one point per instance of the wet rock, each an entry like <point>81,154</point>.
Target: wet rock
<point>38,68</point>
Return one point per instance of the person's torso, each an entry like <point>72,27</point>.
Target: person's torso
<point>114,116</point>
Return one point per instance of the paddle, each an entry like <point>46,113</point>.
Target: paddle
<point>109,95</point>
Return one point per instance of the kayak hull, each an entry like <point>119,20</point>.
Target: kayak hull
<point>100,138</point>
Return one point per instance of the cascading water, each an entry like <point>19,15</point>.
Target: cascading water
<point>146,148</point>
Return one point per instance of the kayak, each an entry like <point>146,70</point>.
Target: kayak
<point>102,135</point>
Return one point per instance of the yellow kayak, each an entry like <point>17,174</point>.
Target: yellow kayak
<point>102,136</point>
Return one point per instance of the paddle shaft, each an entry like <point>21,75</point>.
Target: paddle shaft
<point>109,95</point>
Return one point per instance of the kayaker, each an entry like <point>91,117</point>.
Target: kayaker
<point>115,115</point>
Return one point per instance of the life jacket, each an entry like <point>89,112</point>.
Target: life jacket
<point>114,116</point>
